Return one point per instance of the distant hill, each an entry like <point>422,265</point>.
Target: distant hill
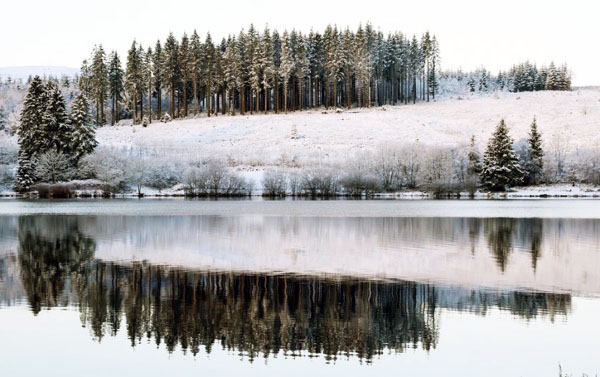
<point>25,71</point>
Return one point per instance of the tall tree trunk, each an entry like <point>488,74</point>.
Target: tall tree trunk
<point>159,109</point>
<point>150,104</point>
<point>185,102</point>
<point>172,104</point>
<point>195,89</point>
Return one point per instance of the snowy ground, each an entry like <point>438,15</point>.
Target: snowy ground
<point>257,140</point>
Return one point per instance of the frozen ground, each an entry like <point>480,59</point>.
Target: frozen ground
<point>256,140</point>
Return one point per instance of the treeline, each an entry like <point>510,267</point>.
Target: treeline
<point>522,77</point>
<point>262,72</point>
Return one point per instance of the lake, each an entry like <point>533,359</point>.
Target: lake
<point>297,287</point>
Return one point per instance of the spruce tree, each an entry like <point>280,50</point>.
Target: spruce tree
<point>28,133</point>
<point>83,139</point>
<point>287,66</point>
<point>157,73</point>
<point>55,130</point>
<point>171,69</point>
<point>99,82</point>
<point>133,77</point>
<point>115,85</point>
<point>500,162</point>
<point>535,167</point>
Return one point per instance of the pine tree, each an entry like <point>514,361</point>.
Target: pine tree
<point>500,163</point>
<point>133,77</point>
<point>287,66</point>
<point>115,85</point>
<point>157,73</point>
<point>230,72</point>
<point>99,82</point>
<point>82,141</point>
<point>84,81</point>
<point>535,167</point>
<point>186,62</point>
<point>172,72</point>
<point>149,80</point>
<point>196,68</point>
<point>28,133</point>
<point>209,70</point>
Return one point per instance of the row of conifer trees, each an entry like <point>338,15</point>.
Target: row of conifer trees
<point>262,72</point>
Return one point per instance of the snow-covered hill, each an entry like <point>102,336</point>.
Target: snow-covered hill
<point>43,71</point>
<point>572,117</point>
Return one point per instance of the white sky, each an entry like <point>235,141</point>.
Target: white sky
<point>472,33</point>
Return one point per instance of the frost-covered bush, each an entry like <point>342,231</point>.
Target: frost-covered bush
<point>586,165</point>
<point>438,171</point>
<point>8,154</point>
<point>320,182</point>
<point>294,182</point>
<point>52,167</point>
<point>213,179</point>
<point>109,167</point>
<point>357,182</point>
<point>274,182</point>
<point>7,176</point>
<point>161,175</point>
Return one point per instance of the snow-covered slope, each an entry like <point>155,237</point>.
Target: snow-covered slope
<point>266,139</point>
<point>25,71</point>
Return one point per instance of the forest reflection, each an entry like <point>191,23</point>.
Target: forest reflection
<point>254,314</point>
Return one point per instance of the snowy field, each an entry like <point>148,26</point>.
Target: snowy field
<point>259,140</point>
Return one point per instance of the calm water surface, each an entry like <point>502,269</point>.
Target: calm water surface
<point>261,288</point>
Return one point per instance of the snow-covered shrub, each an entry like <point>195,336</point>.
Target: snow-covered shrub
<point>294,182</point>
<point>274,182</point>
<point>320,182</point>
<point>387,167</point>
<point>161,175</point>
<point>109,167</point>
<point>52,167</point>
<point>145,121</point>
<point>410,157</point>
<point>438,172</point>
<point>7,176</point>
<point>166,118</point>
<point>356,182</point>
<point>586,165</point>
<point>214,178</point>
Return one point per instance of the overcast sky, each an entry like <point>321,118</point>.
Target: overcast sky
<point>472,33</point>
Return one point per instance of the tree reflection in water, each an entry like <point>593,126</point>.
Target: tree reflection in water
<point>254,314</point>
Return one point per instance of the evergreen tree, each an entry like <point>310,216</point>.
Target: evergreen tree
<point>55,130</point>
<point>287,67</point>
<point>500,163</point>
<point>115,85</point>
<point>186,64</point>
<point>209,71</point>
<point>28,133</point>
<point>82,141</point>
<point>84,81</point>
<point>171,69</point>
<point>535,167</point>
<point>196,68</point>
<point>149,80</point>
<point>133,77</point>
<point>99,82</point>
<point>157,73</point>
